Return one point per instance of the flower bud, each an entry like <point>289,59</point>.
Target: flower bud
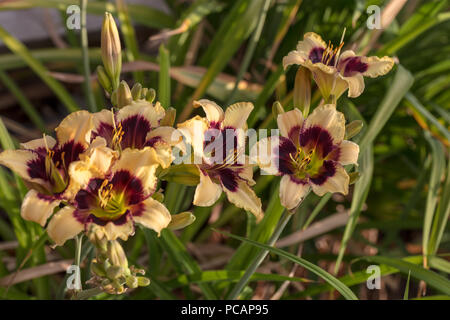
<point>143,281</point>
<point>169,118</point>
<point>111,50</point>
<point>114,272</point>
<point>116,255</point>
<point>132,282</point>
<point>124,97</point>
<point>136,91</point>
<point>302,90</point>
<point>103,79</point>
<point>353,128</point>
<point>151,94</point>
<point>354,176</point>
<point>181,220</point>
<point>277,109</point>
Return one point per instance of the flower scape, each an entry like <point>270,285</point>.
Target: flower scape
<point>101,176</point>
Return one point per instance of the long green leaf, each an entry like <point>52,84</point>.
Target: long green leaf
<point>339,286</point>
<point>18,48</point>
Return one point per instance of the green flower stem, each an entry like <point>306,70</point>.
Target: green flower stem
<point>86,294</point>
<point>259,259</point>
<point>85,51</point>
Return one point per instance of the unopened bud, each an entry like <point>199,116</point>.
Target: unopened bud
<point>151,94</point>
<point>132,282</point>
<point>181,220</point>
<point>136,91</point>
<point>169,118</point>
<point>354,176</point>
<point>277,109</point>
<point>143,281</point>
<point>111,50</point>
<point>114,272</point>
<point>103,79</point>
<point>353,128</point>
<point>124,97</point>
<point>116,255</point>
<point>302,90</point>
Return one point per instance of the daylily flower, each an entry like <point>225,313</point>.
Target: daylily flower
<point>112,198</point>
<point>334,72</point>
<point>218,144</point>
<point>45,163</point>
<point>137,126</point>
<point>310,153</point>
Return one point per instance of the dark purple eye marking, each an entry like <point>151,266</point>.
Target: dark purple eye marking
<point>36,168</point>
<point>315,55</point>
<point>327,170</point>
<point>104,130</point>
<point>153,141</point>
<point>352,65</point>
<point>67,153</point>
<point>123,181</point>
<point>224,143</point>
<point>317,138</point>
<point>229,179</point>
<point>135,130</point>
<point>285,150</point>
<point>102,222</point>
<point>294,134</point>
<point>297,180</point>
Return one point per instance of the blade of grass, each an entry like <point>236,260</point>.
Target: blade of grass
<point>406,294</point>
<point>129,36</point>
<point>142,14</point>
<point>402,82</point>
<point>360,194</point>
<point>431,278</point>
<point>26,105</point>
<point>86,66</point>
<point>335,283</point>
<point>250,49</point>
<point>437,170</point>
<point>19,49</point>
<point>164,77</point>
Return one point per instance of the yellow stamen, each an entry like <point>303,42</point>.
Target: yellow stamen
<point>104,193</point>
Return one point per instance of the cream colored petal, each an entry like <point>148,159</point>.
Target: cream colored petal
<point>154,216</point>
<point>292,193</point>
<point>348,153</point>
<point>103,117</point>
<point>244,197</point>
<point>46,142</point>
<point>213,111</point>
<point>166,138</point>
<point>207,192</point>
<point>152,113</point>
<point>264,155</point>
<point>377,66</point>
<point>340,85</point>
<point>355,84</point>
<point>294,57</point>
<point>95,162</point>
<point>64,226</point>
<point>37,209</point>
<point>17,161</point>
<point>290,120</point>
<point>237,114</point>
<point>123,231</point>
<point>337,183</point>
<point>328,118</point>
<point>168,135</point>
<point>246,171</point>
<point>141,164</point>
<point>76,126</point>
<point>311,40</point>
<point>194,132</point>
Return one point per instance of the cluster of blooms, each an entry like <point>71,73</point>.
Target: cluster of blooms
<point>100,174</point>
